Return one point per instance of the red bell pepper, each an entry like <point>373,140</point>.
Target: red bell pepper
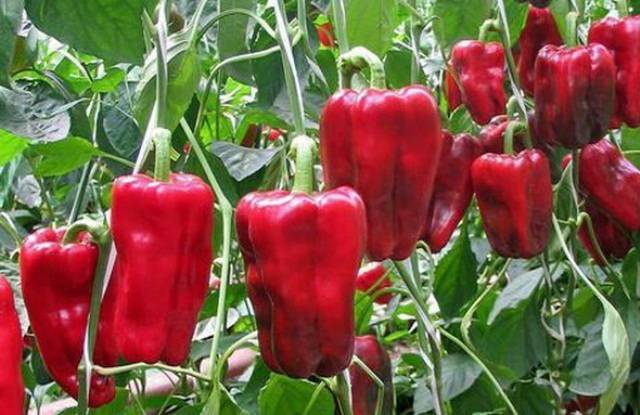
<point>364,390</point>
<point>372,277</point>
<point>452,92</point>
<point>162,233</point>
<point>453,189</point>
<point>540,30</point>
<point>622,38</point>
<point>325,35</point>
<point>612,238</point>
<point>386,145</point>
<point>301,276</point>
<point>515,198</point>
<point>11,383</point>
<point>612,182</point>
<point>574,94</point>
<point>57,281</point>
<point>479,68</point>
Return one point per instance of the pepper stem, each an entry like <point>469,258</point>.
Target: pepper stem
<point>303,147</point>
<point>623,8</point>
<point>355,61</point>
<point>512,128</point>
<point>489,25</point>
<point>96,230</point>
<point>162,143</point>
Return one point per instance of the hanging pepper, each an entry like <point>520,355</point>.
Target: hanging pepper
<point>574,94</point>
<point>622,38</point>
<point>57,281</point>
<point>364,389</point>
<point>492,136</point>
<point>612,238</point>
<point>453,189</point>
<point>479,69</point>
<point>386,145</point>
<point>612,182</point>
<point>515,198</point>
<point>325,35</point>
<point>452,92</point>
<point>540,29</point>
<point>162,230</point>
<point>301,276</point>
<point>372,277</point>
<point>11,383</point>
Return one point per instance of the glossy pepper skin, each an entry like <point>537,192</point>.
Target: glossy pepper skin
<point>452,92</point>
<point>453,189</point>
<point>574,94</point>
<point>479,68</point>
<point>57,282</point>
<point>363,388</point>
<point>162,233</point>
<point>386,145</point>
<point>540,30</point>
<point>301,276</point>
<point>612,182</point>
<point>612,238</point>
<point>372,275</point>
<point>515,198</point>
<point>11,383</point>
<point>622,38</point>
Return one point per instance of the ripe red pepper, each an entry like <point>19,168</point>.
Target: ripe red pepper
<point>301,276</point>
<point>612,182</point>
<point>370,276</point>
<point>453,189</point>
<point>386,145</point>
<point>540,29</point>
<point>515,198</point>
<point>622,38</point>
<point>479,68</point>
<point>57,281</point>
<point>612,238</point>
<point>363,388</point>
<point>492,136</point>
<point>325,35</point>
<point>581,404</point>
<point>11,383</point>
<point>574,94</point>
<point>162,233</point>
<point>452,92</point>
<point>274,134</point>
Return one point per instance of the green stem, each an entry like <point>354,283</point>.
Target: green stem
<point>572,28</point>
<point>512,128</point>
<point>302,22</point>
<point>162,145</point>
<point>304,149</point>
<point>343,392</point>
<point>314,398</point>
<point>290,74</point>
<point>117,159</point>
<point>379,383</point>
<point>260,21</point>
<point>415,44</point>
<point>82,190</point>
<point>622,7</point>
<point>489,25</point>
<point>340,25</point>
<point>162,77</point>
<point>355,61</point>
<point>113,371</point>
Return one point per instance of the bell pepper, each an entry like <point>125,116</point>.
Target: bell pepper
<point>479,69</point>
<point>162,232</point>
<point>612,182</point>
<point>612,238</point>
<point>372,277</point>
<point>11,383</point>
<point>452,92</point>
<point>539,30</point>
<point>364,390</point>
<point>386,145</point>
<point>515,199</point>
<point>574,94</point>
<point>325,35</point>
<point>622,38</point>
<point>301,276</point>
<point>453,189</point>
<point>57,281</point>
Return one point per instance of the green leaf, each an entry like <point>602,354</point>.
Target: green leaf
<point>184,75</point>
<point>242,162</point>
<point>285,396</point>
<point>559,9</point>
<point>10,146</point>
<point>371,24</point>
<point>397,65</point>
<point>516,16</point>
<point>460,121</point>
<point>248,398</point>
<point>631,142</point>
<point>109,81</point>
<point>61,157</point>
<point>117,406</point>
<point>10,18</point>
<point>591,374</point>
<point>459,373</point>
<point>108,29</point>
<point>120,127</point>
<point>533,399</point>
<point>455,277</point>
<point>518,291</point>
<point>363,310</point>
<point>33,113</point>
<point>456,21</point>
<point>232,38</point>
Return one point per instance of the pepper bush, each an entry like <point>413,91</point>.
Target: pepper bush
<point>490,228</point>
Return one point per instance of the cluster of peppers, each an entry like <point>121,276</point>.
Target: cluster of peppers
<point>157,287</point>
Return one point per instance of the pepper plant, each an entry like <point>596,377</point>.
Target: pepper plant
<point>297,207</point>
